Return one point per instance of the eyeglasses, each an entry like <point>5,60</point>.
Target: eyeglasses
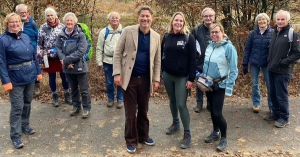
<point>214,32</point>
<point>207,16</point>
<point>21,13</point>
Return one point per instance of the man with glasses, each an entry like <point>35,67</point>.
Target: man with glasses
<point>202,36</point>
<point>30,28</point>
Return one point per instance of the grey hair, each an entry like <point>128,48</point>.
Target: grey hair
<point>260,15</point>
<point>285,13</point>
<point>113,13</point>
<point>72,15</point>
<point>20,6</point>
<point>207,9</point>
<point>50,10</point>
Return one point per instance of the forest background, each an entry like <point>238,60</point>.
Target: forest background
<point>237,16</point>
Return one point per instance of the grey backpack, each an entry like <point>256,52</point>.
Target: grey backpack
<point>290,36</point>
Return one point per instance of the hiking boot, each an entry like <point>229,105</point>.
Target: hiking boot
<point>18,144</point>
<point>197,109</point>
<point>85,114</point>
<point>186,141</point>
<point>222,145</point>
<point>280,123</point>
<point>120,105</point>
<point>55,99</point>
<point>68,99</point>
<point>256,109</point>
<point>28,131</point>
<point>214,136</point>
<point>110,104</point>
<point>172,129</point>
<point>75,111</point>
<point>37,88</point>
<point>131,149</point>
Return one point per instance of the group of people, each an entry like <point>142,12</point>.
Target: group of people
<point>134,60</point>
<point>61,46</point>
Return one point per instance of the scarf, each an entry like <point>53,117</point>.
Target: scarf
<point>53,24</point>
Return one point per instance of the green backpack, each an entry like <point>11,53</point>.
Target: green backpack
<point>88,35</point>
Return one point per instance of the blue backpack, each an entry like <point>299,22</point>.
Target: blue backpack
<point>107,32</point>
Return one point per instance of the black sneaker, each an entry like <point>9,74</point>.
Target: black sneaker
<point>172,129</point>
<point>186,141</point>
<point>75,111</point>
<point>280,123</point>
<point>68,98</point>
<point>149,142</point>
<point>214,136</point>
<point>18,144</point>
<point>85,114</point>
<point>28,131</point>
<point>131,149</point>
<point>222,145</point>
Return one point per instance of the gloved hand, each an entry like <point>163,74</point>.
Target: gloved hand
<point>53,53</point>
<point>8,87</point>
<point>39,77</point>
<point>245,69</point>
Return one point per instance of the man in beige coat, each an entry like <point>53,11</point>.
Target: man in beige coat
<point>136,68</point>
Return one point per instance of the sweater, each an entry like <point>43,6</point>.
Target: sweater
<point>178,55</point>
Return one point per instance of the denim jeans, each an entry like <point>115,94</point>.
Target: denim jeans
<point>279,95</point>
<point>20,98</point>
<point>79,84</point>
<point>52,81</point>
<point>256,96</point>
<point>110,87</point>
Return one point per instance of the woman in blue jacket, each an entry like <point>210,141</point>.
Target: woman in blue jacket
<point>19,70</point>
<point>220,63</point>
<point>255,58</point>
<point>71,46</point>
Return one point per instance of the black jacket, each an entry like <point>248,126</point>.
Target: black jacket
<point>202,36</point>
<point>279,61</point>
<point>178,55</point>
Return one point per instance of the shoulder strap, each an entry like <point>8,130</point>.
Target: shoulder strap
<point>187,38</point>
<point>290,36</point>
<point>106,33</point>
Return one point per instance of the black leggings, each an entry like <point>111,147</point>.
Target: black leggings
<point>216,101</point>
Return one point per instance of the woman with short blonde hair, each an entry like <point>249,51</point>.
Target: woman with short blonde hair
<point>19,71</point>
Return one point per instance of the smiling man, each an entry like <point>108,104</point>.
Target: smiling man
<point>136,68</point>
<point>202,36</point>
<point>282,56</point>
